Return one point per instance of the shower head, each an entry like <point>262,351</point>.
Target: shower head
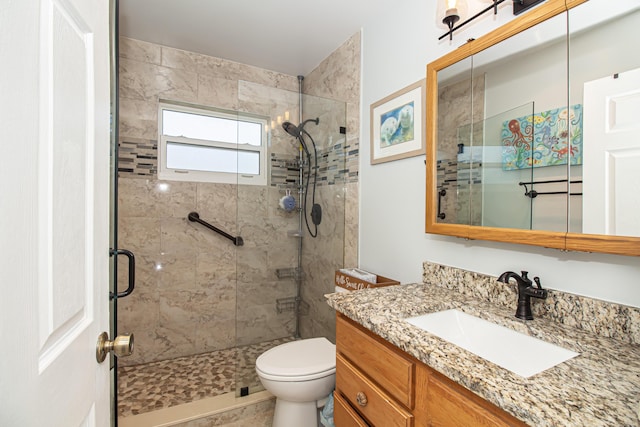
<point>291,129</point>
<point>294,130</point>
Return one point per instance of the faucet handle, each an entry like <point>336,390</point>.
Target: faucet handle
<point>537,280</point>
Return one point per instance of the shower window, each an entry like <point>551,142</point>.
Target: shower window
<point>210,145</point>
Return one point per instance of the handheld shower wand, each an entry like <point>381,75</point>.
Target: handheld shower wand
<point>299,133</point>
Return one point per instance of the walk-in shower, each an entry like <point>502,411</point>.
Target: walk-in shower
<point>204,309</point>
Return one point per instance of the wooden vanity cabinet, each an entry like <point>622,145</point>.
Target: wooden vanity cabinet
<point>379,385</point>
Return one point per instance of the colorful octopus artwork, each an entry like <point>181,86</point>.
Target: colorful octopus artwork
<point>543,139</point>
<point>519,139</point>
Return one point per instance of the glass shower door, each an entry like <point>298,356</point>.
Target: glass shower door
<point>113,200</point>
<point>282,272</point>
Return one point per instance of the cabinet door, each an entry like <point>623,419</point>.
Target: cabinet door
<point>448,406</point>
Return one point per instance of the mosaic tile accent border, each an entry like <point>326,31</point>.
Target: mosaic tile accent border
<point>352,166</point>
<point>602,318</point>
<point>284,171</point>
<point>331,163</point>
<point>137,157</point>
<point>447,173</point>
<point>461,185</point>
<point>331,168</point>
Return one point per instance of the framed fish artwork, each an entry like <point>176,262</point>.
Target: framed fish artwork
<point>548,138</point>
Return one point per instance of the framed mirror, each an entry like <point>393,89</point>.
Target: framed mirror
<point>524,131</point>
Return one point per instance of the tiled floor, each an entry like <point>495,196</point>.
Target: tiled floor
<point>157,385</point>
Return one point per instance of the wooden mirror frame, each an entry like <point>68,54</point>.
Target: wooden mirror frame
<point>620,245</point>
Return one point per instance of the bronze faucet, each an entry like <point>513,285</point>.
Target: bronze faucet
<point>526,290</point>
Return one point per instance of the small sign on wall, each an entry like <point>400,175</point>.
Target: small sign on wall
<point>352,283</point>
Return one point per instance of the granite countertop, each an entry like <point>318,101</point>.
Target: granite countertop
<point>599,387</point>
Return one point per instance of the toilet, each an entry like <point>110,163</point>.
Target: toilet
<point>301,375</point>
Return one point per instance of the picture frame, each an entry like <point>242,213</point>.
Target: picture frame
<point>398,124</point>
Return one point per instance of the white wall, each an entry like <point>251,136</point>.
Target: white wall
<point>396,50</point>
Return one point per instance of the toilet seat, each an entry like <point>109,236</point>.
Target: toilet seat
<point>302,360</point>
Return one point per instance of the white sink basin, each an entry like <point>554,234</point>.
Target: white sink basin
<point>517,352</point>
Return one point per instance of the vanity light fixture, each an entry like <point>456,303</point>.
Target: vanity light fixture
<point>451,15</point>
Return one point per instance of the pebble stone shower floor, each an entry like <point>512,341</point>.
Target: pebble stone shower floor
<point>157,385</point>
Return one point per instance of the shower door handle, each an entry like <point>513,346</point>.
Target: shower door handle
<point>132,272</point>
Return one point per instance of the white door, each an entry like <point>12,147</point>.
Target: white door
<point>54,212</point>
<point>612,155</point>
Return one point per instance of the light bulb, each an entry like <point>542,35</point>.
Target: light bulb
<point>452,9</point>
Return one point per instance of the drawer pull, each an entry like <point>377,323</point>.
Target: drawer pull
<point>361,398</point>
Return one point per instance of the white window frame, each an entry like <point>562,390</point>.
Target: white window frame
<point>168,174</point>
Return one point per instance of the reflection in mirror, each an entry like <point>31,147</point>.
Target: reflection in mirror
<point>567,83</point>
<point>545,150</point>
<point>503,202</point>
<point>603,45</point>
<point>455,107</point>
<point>532,143</point>
<point>507,100</point>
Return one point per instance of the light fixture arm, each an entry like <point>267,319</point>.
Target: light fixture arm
<point>450,19</point>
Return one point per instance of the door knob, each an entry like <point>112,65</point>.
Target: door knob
<point>122,345</point>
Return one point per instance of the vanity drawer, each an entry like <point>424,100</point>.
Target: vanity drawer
<point>344,415</point>
<point>382,364</point>
<point>368,399</point>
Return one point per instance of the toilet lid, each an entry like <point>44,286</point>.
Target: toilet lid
<point>299,358</point>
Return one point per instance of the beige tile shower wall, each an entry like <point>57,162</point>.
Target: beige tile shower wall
<point>187,281</point>
<point>320,258</point>
<point>267,248</point>
<point>337,77</point>
<point>184,301</point>
<point>149,72</point>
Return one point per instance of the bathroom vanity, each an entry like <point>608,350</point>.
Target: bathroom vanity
<point>391,373</point>
<point>377,382</point>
